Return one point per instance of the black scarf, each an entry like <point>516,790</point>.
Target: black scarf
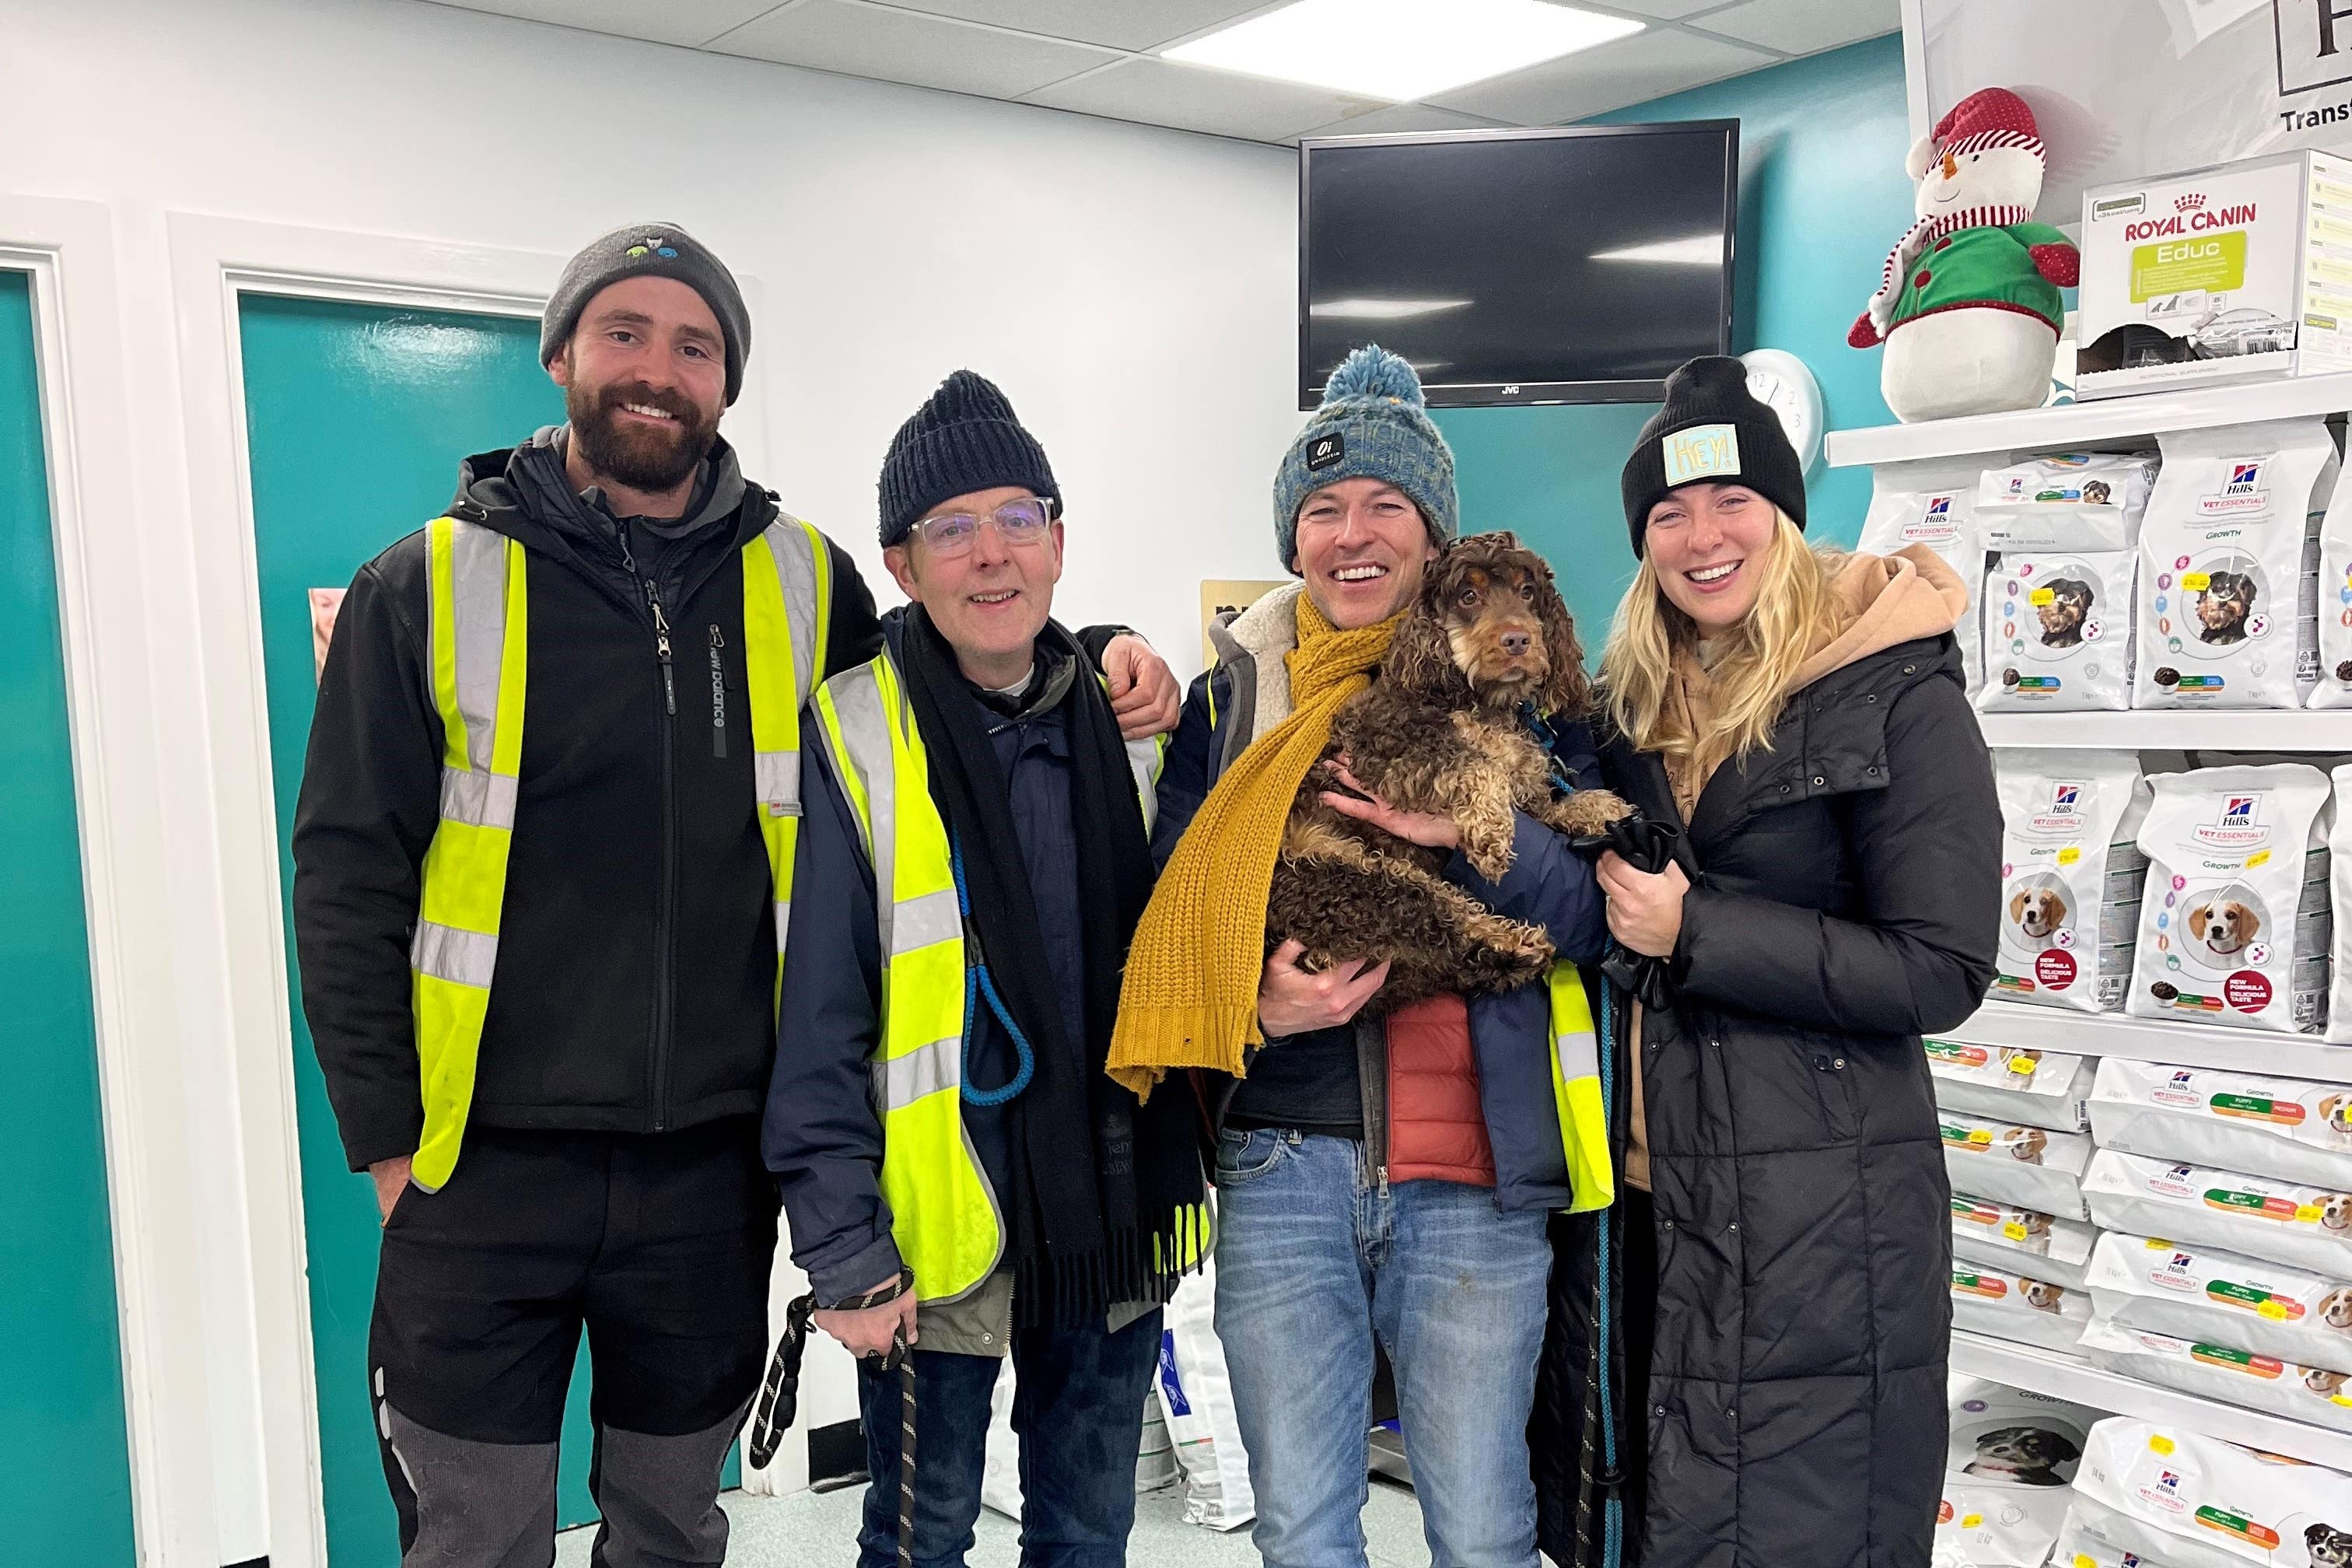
<point>1102,1187</point>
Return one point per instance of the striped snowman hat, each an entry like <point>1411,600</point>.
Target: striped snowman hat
<point>1993,116</point>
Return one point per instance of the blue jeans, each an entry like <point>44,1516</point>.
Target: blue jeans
<point>1078,1408</point>
<point>1313,1260</point>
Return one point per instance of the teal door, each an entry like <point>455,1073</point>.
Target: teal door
<point>65,1457</point>
<point>356,417</point>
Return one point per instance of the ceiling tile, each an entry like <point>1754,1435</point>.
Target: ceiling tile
<point>688,22</point>
<point>1400,118</point>
<point>1656,10</point>
<point>903,45</point>
<point>1125,25</point>
<point>1592,82</point>
<point>1195,98</point>
<point>1804,27</point>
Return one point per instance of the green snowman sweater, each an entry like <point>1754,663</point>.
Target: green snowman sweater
<point>2003,265</point>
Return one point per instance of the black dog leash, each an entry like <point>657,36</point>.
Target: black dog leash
<point>1647,846</point>
<point>780,1391</point>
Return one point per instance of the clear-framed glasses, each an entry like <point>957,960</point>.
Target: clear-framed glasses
<point>1018,522</point>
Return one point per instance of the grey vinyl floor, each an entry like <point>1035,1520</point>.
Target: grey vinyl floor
<point>812,1529</point>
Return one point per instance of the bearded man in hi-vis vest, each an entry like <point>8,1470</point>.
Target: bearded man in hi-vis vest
<point>540,941</point>
<point>958,1170</point>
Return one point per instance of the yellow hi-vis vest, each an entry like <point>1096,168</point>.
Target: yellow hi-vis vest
<point>1576,1092</point>
<point>943,1213</point>
<point>481,620</point>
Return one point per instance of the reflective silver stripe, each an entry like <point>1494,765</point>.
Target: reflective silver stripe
<point>1144,760</point>
<point>776,776</point>
<point>921,921</point>
<point>795,551</point>
<point>460,957</point>
<point>477,572</point>
<point>866,735</point>
<point>1579,1057</point>
<point>486,800</point>
<point>924,1070</point>
<point>783,925</point>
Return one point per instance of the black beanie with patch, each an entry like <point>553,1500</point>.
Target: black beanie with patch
<point>1712,430</point>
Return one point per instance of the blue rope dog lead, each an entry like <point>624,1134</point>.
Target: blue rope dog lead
<point>1612,1507</point>
<point>978,982</point>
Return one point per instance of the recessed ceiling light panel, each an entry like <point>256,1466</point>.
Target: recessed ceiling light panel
<point>1401,49</point>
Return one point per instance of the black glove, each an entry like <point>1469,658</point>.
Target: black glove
<point>1646,846</point>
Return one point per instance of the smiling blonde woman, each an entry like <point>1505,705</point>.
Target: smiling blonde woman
<point>1745,1362</point>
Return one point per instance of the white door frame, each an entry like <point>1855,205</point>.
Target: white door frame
<point>67,248</point>
<point>213,262</point>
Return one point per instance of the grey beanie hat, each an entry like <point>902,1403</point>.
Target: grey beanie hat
<point>648,250</point>
<point>1373,425</point>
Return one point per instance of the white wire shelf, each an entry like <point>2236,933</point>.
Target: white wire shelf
<point>2030,1027</point>
<point>2067,1377</point>
<point>2103,422</point>
<point>2166,730</point>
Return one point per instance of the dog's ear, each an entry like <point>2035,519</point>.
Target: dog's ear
<point>2057,909</point>
<point>2197,918</point>
<point>2248,922</point>
<point>2017,907</point>
<point>1567,690</point>
<point>1421,660</point>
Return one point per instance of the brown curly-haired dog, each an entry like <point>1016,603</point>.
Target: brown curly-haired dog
<point>1439,729</point>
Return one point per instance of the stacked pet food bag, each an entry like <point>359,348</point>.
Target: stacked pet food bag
<point>2189,1227</point>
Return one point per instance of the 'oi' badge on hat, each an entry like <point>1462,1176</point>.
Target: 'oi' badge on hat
<point>1325,450</point>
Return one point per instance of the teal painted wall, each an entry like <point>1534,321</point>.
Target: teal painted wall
<point>65,1463</point>
<point>356,418</point>
<point>1823,198</point>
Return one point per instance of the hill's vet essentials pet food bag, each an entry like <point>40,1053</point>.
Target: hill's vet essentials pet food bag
<point>2223,1371</point>
<point>2195,1501</point>
<point>2021,1241</point>
<point>2030,1167</point>
<point>2014,1083</point>
<point>2332,598</point>
<point>2018,1307</point>
<point>2234,926</point>
<point>2071,875</point>
<point>2010,1456</point>
<point>2278,1222</point>
<point>1934,504</point>
<point>2210,1295</point>
<point>2339,873</point>
<point>2058,632</point>
<point>2071,500</point>
<point>2283,1127</point>
<point>2229,567</point>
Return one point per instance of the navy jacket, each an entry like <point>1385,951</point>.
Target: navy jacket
<point>1548,884</point>
<point>821,1136</point>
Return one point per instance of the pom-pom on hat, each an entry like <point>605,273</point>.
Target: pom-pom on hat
<point>1992,117</point>
<point>964,439</point>
<point>1712,430</point>
<point>1374,425</point>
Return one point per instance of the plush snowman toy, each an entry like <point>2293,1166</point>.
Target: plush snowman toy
<point>1968,306</point>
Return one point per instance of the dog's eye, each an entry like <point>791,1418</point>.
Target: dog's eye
<point>1467,599</point>
<point>1527,591</point>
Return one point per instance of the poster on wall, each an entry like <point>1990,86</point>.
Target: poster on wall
<point>2123,89</point>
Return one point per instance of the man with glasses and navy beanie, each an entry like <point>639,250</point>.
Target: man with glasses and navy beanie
<point>959,1172</point>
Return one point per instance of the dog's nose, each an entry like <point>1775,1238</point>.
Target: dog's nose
<point>1517,643</point>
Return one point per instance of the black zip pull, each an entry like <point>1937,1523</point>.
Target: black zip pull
<point>718,694</point>
<point>661,646</point>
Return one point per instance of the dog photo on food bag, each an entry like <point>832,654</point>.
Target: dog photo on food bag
<point>2039,912</point>
<point>2025,1144</point>
<point>2063,613</point>
<point>2336,1307</point>
<point>2040,1295</point>
<point>2336,1114</point>
<point>2029,1455</point>
<point>2223,607</point>
<point>2225,925</point>
<point>2327,1547</point>
<point>1442,727</point>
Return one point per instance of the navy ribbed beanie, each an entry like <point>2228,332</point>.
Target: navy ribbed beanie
<point>966,438</point>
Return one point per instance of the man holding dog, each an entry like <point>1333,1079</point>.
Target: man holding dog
<point>1383,1176</point>
<point>959,1172</point>
<point>540,961</point>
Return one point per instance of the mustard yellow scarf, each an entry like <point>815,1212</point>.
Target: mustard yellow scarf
<point>1190,998</point>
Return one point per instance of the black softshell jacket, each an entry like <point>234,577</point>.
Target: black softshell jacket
<point>1845,893</point>
<point>637,953</point>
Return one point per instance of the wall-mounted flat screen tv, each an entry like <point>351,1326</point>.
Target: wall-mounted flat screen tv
<point>1578,264</point>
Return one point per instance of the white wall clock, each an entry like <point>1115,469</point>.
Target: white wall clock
<point>1782,382</point>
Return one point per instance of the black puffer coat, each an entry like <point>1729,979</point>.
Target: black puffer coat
<point>1846,889</point>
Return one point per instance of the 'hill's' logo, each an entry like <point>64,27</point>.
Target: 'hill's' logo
<point>2065,813</point>
<point>2239,826</point>
<point>1934,525</point>
<point>2241,494</point>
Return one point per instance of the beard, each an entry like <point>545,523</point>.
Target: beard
<point>641,456</point>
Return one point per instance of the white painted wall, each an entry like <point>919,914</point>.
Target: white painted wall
<point>1132,289</point>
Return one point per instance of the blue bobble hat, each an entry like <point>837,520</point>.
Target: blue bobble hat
<point>1374,425</point>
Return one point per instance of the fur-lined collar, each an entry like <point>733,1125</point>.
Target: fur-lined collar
<point>1263,634</point>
